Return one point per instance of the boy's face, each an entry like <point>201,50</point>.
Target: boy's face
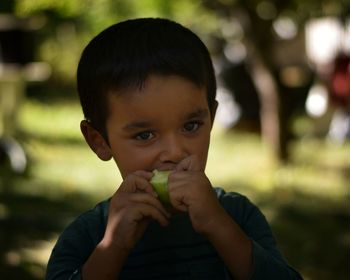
<point>159,125</point>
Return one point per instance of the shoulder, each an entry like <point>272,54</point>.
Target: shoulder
<point>234,202</point>
<point>86,230</point>
<point>268,261</point>
<point>241,209</point>
<point>90,221</point>
<point>97,214</point>
<point>77,241</point>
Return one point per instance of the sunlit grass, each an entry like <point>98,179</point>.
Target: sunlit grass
<point>59,154</point>
<point>51,120</point>
<point>238,161</point>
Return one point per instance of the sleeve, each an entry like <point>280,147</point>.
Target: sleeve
<point>73,248</point>
<point>268,262</point>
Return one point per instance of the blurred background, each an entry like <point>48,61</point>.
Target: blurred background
<point>281,135</point>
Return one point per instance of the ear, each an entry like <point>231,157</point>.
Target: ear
<point>96,141</point>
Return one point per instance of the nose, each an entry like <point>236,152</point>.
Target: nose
<point>173,149</point>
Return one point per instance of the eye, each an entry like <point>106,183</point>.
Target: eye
<point>192,126</point>
<point>145,135</point>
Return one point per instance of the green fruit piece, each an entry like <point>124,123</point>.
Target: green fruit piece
<point>159,182</point>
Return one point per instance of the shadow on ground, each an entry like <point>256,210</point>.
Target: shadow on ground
<point>313,233</point>
<point>27,221</point>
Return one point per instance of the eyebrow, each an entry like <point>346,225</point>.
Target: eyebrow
<point>200,113</point>
<point>137,125</point>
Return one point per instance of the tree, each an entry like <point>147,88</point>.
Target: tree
<point>68,25</point>
<point>257,18</point>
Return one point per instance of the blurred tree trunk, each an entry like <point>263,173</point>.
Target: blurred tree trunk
<point>257,18</point>
<point>259,42</point>
<point>273,128</point>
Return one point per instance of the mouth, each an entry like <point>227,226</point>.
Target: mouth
<point>166,167</point>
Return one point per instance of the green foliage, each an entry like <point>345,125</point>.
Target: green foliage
<point>69,25</point>
<point>65,8</point>
<point>302,9</point>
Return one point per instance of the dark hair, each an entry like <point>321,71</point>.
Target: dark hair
<point>126,53</point>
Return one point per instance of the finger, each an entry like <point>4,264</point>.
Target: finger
<point>135,183</point>
<point>180,206</point>
<point>190,163</point>
<point>177,196</point>
<point>178,203</point>
<point>142,211</point>
<point>150,200</point>
<point>143,185</point>
<point>145,174</point>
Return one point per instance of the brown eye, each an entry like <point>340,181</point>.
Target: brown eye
<point>143,136</point>
<point>192,126</point>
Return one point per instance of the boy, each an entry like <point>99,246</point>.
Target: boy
<point>147,89</point>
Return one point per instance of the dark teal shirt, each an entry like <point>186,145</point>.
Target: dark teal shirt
<point>174,252</point>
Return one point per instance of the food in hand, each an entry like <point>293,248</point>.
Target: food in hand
<point>159,182</point>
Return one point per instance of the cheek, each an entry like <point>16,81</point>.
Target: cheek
<point>204,153</point>
<point>130,160</point>
<point>201,150</point>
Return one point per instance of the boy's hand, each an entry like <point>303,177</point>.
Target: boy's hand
<point>191,191</point>
<point>131,208</point>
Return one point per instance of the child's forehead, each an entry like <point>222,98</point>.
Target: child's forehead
<point>162,94</point>
<point>155,83</point>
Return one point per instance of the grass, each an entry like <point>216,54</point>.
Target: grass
<point>306,201</point>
